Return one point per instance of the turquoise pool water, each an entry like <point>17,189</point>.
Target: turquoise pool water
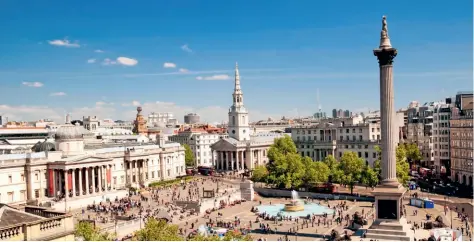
<point>310,208</point>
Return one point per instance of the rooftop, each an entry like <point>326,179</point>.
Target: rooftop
<point>10,216</point>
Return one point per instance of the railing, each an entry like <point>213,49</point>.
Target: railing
<point>43,212</point>
<point>14,232</point>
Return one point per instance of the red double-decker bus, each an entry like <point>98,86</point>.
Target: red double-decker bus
<point>206,171</point>
<point>323,188</point>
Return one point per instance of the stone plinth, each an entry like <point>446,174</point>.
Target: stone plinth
<point>246,189</point>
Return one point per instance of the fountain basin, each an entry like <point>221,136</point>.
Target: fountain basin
<point>308,209</point>
<point>293,207</point>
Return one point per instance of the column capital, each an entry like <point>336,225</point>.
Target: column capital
<point>385,56</point>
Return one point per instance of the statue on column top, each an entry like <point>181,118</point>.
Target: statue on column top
<point>384,33</point>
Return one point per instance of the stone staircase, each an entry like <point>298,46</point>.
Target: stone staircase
<point>394,231</point>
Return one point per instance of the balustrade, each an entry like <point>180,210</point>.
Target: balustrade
<point>50,224</point>
<point>9,233</point>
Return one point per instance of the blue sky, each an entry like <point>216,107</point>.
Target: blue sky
<point>286,50</point>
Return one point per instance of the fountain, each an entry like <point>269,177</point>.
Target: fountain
<point>296,208</point>
<point>295,205</point>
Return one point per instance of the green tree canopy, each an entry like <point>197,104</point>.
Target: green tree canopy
<point>369,177</point>
<point>315,172</point>
<point>88,232</point>
<point>285,168</point>
<point>188,156</point>
<point>412,152</point>
<point>260,174</point>
<point>158,230</point>
<point>402,166</point>
<point>351,166</point>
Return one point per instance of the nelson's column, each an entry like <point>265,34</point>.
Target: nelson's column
<point>389,222</point>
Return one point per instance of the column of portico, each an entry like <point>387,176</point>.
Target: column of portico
<point>232,160</point>
<point>58,172</point>
<point>242,162</point>
<point>99,178</point>
<point>86,176</point>
<point>73,174</point>
<point>80,182</point>
<point>221,160</point>
<point>93,179</point>
<point>135,170</point>
<point>66,187</point>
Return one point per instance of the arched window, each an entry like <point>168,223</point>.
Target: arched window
<point>233,120</point>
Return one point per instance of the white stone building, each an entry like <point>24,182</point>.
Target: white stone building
<point>335,136</point>
<point>157,118</point>
<point>79,173</point>
<point>241,150</point>
<point>441,141</point>
<point>200,143</point>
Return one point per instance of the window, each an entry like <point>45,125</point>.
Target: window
<point>366,154</point>
<point>359,154</point>
<point>10,197</point>
<point>10,179</point>
<point>22,177</point>
<point>152,174</point>
<point>36,177</point>
<point>37,193</point>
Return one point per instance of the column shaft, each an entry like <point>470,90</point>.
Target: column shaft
<point>66,185</point>
<point>93,176</point>
<point>387,125</point>
<point>221,160</point>
<point>87,180</point>
<point>99,172</point>
<point>73,174</point>
<point>81,192</point>
<point>242,162</point>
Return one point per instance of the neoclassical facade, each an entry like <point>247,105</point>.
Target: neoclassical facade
<point>241,150</point>
<point>74,172</point>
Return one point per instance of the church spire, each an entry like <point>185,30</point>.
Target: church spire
<point>237,95</point>
<point>237,89</point>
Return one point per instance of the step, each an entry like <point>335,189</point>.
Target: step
<point>387,226</point>
<point>385,231</point>
<point>387,237</point>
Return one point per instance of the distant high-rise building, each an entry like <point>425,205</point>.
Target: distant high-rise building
<point>192,118</point>
<point>3,120</point>
<point>156,118</point>
<point>347,114</point>
<point>340,113</point>
<point>319,115</point>
<point>68,118</point>
<point>334,113</point>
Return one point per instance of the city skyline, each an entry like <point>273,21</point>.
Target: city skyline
<point>89,60</point>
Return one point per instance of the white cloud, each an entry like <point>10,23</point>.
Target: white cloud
<point>90,61</point>
<point>133,103</point>
<point>65,43</point>
<point>32,84</point>
<point>214,77</point>
<point>101,103</point>
<point>98,51</point>
<point>58,94</point>
<point>108,62</point>
<point>186,48</point>
<point>169,65</point>
<point>127,61</point>
<point>182,70</point>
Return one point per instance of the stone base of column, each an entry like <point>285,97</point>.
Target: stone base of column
<point>389,224</point>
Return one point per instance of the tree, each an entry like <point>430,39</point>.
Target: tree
<point>260,174</point>
<point>315,172</point>
<point>285,167</point>
<point>188,155</point>
<point>369,177</point>
<point>88,232</point>
<point>413,153</point>
<point>351,166</point>
<point>333,165</point>
<point>158,230</point>
<point>402,166</point>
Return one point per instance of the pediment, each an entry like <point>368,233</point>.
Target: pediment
<point>85,159</point>
<point>223,145</point>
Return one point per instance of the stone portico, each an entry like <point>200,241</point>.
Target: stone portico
<point>233,155</point>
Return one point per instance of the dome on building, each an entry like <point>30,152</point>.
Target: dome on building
<point>43,146</point>
<point>70,132</point>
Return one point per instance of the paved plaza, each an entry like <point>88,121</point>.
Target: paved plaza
<point>161,200</point>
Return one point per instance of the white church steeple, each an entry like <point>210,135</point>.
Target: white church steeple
<point>238,127</point>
